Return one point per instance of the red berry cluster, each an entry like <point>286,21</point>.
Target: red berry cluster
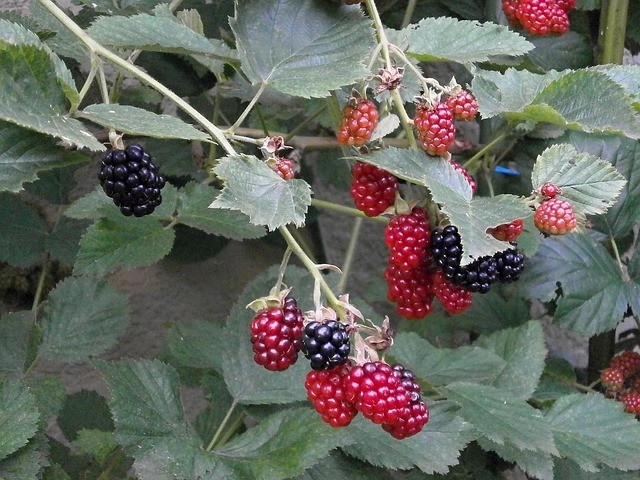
<point>434,121</point>
<point>373,189</point>
<point>284,167</point>
<point>389,396</point>
<point>413,282</point>
<point>622,380</point>
<point>554,216</point>
<point>508,232</point>
<point>359,119</point>
<point>539,17</point>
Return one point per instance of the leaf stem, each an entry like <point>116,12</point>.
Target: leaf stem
<point>408,13</point>
<point>469,164</point>
<point>346,210</point>
<point>616,254</point>
<point>243,115</point>
<point>102,82</point>
<point>226,418</point>
<point>305,122</point>
<point>351,250</point>
<point>87,84</point>
<point>40,287</point>
<point>332,300</point>
<point>97,48</point>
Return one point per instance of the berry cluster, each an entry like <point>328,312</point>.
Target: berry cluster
<point>539,17</point>
<point>479,275</point>
<point>622,380</point>
<point>508,232</point>
<point>434,121</point>
<point>553,216</point>
<point>359,119</point>
<point>326,344</point>
<point>131,179</point>
<point>373,189</point>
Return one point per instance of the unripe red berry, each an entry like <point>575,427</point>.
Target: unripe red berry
<point>373,189</point>
<point>555,217</point>
<point>435,127</point>
<point>359,119</point>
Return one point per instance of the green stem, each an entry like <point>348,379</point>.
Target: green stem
<point>97,48</point>
<point>40,287</point>
<point>395,95</point>
<point>102,83</point>
<point>226,418</point>
<point>616,254</point>
<point>247,110</point>
<point>346,210</point>
<point>351,250</point>
<point>408,13</point>
<point>484,150</point>
<point>87,84</point>
<point>613,27</point>
<point>283,269</point>
<point>304,245</point>
<point>304,123</point>
<point>332,300</point>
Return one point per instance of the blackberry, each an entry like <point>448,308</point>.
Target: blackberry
<point>510,264</point>
<point>130,178</point>
<point>477,276</point>
<point>326,345</point>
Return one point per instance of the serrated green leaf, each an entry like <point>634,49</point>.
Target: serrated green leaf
<point>145,401</point>
<point>137,121</point>
<point>558,52</point>
<point>54,185</point>
<point>433,450</point>
<point>294,57</point>
<point>148,32</point>
<point>557,380</point>
<point>27,462</point>
<point>338,466</point>
<point>24,153</point>
<point>502,418</point>
<point>62,243</point>
<point>14,340</point>
<point>450,188</point>
<point>565,468</point>
<point>247,381</point>
<point>524,351</point>
<point>491,312</point>
<point>117,241</point>
<point>283,445</point>
<point>193,210</point>
<point>535,463</point>
<point>93,205</point>
<point>259,192</point>
<point>197,344</point>
<point>463,41</point>
<point>97,443</point>
<point>18,417</point>
<point>628,76</point>
<point>440,366</point>
<point>30,96</point>
<point>22,232</point>
<point>581,99</point>
<point>50,394</point>
<point>84,316</point>
<point>589,183</point>
<point>593,430</point>
<point>173,458</point>
<point>17,35</point>
<point>594,295</point>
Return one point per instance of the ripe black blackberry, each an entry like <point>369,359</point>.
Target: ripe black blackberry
<point>447,252</point>
<point>510,264</point>
<point>131,179</point>
<point>326,345</point>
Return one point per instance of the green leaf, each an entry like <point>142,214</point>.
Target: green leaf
<point>84,316</point>
<point>219,402</point>
<point>140,122</point>
<point>433,450</point>
<point>117,241</point>
<point>589,183</point>
<point>259,192</point>
<point>593,293</point>
<point>97,443</point>
<point>535,463</point>
<point>491,312</point>
<point>593,430</point>
<point>247,381</point>
<point>440,366</point>
<point>197,344</point>
<point>62,243</point>
<point>524,351</point>
<point>26,463</point>
<point>449,188</point>
<point>559,52</point>
<point>173,458</point>
<point>502,418</point>
<point>22,232</point>
<point>581,100</point>
<point>283,445</point>
<point>24,153</point>
<point>557,380</point>
<point>30,96</point>
<point>50,394</point>
<point>15,329</point>
<point>145,401</point>
<point>86,409</point>
<point>18,417</point>
<point>338,466</point>
<point>565,468</point>
<point>294,57</point>
<point>92,206</point>
<point>463,41</point>
<point>148,32</point>
<point>628,76</point>
<point>193,210</point>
